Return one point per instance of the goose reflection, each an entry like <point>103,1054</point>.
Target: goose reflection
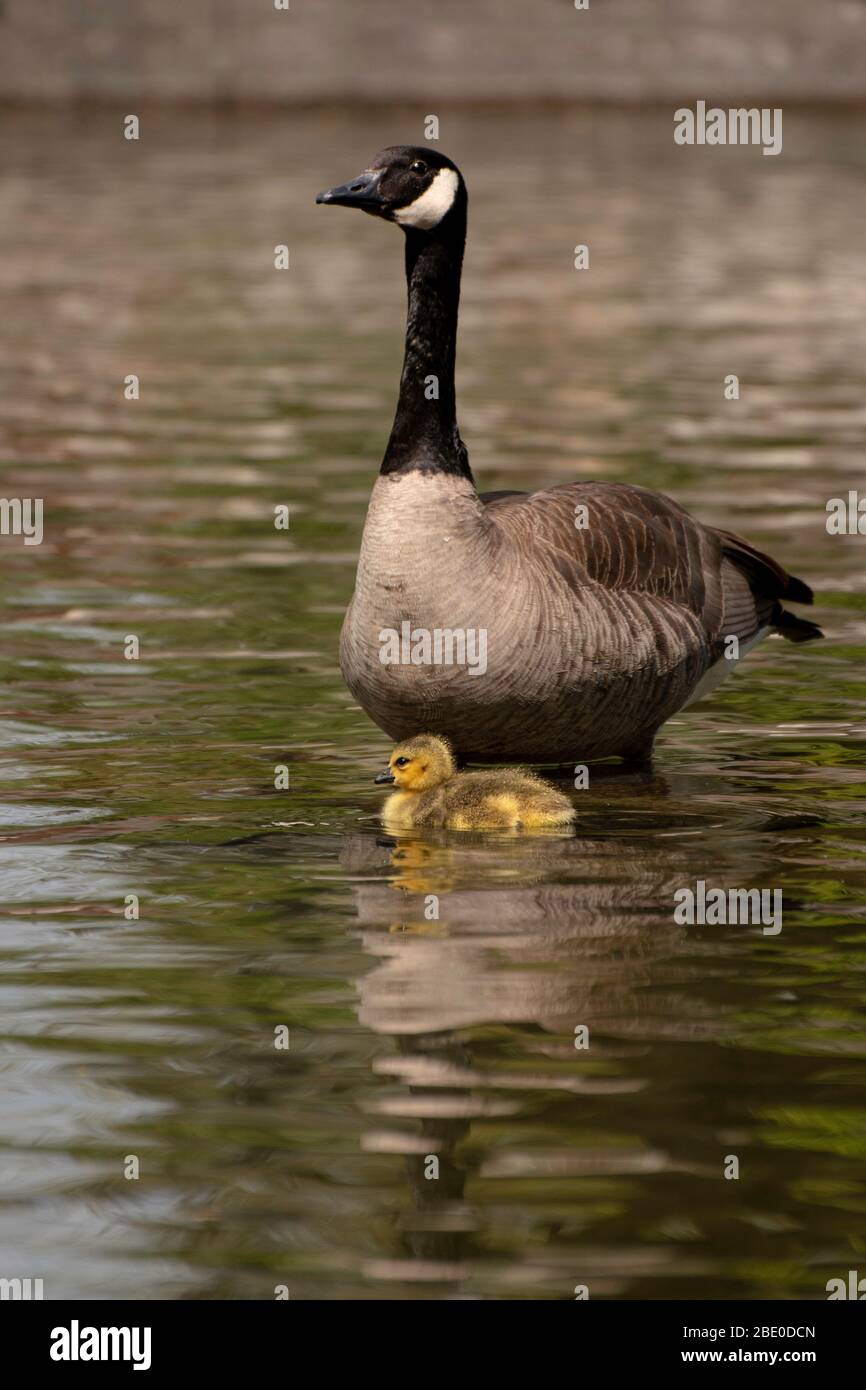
<point>567,939</point>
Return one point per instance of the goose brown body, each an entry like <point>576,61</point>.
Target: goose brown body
<point>606,607</point>
<point>595,637</point>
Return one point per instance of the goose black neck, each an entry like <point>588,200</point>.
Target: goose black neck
<point>424,435</point>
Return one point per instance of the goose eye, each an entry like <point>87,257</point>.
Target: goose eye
<point>418,166</point>
<point>401,762</point>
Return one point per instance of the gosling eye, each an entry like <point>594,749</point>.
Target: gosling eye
<point>418,166</point>
<point>401,762</point>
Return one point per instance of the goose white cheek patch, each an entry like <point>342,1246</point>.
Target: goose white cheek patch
<point>432,205</point>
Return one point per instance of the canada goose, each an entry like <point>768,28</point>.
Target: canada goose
<point>431,792</point>
<point>595,610</point>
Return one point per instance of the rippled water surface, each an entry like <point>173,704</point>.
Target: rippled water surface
<point>262,908</point>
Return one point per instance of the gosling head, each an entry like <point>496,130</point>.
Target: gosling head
<point>419,189</point>
<point>419,763</point>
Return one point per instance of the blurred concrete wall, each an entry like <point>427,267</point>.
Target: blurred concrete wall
<point>429,50</point>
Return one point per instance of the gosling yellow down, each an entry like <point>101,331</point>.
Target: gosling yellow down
<point>430,792</point>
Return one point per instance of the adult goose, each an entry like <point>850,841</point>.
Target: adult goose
<point>552,626</point>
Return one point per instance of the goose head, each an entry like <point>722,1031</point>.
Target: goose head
<point>418,764</point>
<point>414,187</point>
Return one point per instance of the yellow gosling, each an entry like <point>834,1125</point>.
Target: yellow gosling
<point>430,792</point>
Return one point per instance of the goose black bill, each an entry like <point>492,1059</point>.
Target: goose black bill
<point>362,192</point>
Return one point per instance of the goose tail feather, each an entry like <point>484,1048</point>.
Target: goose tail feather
<point>793,628</point>
<point>768,580</point>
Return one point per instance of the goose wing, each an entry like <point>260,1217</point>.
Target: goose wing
<point>626,539</point>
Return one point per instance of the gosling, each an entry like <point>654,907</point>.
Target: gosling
<point>430,792</point>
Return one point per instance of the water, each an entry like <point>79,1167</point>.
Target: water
<point>261,909</point>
